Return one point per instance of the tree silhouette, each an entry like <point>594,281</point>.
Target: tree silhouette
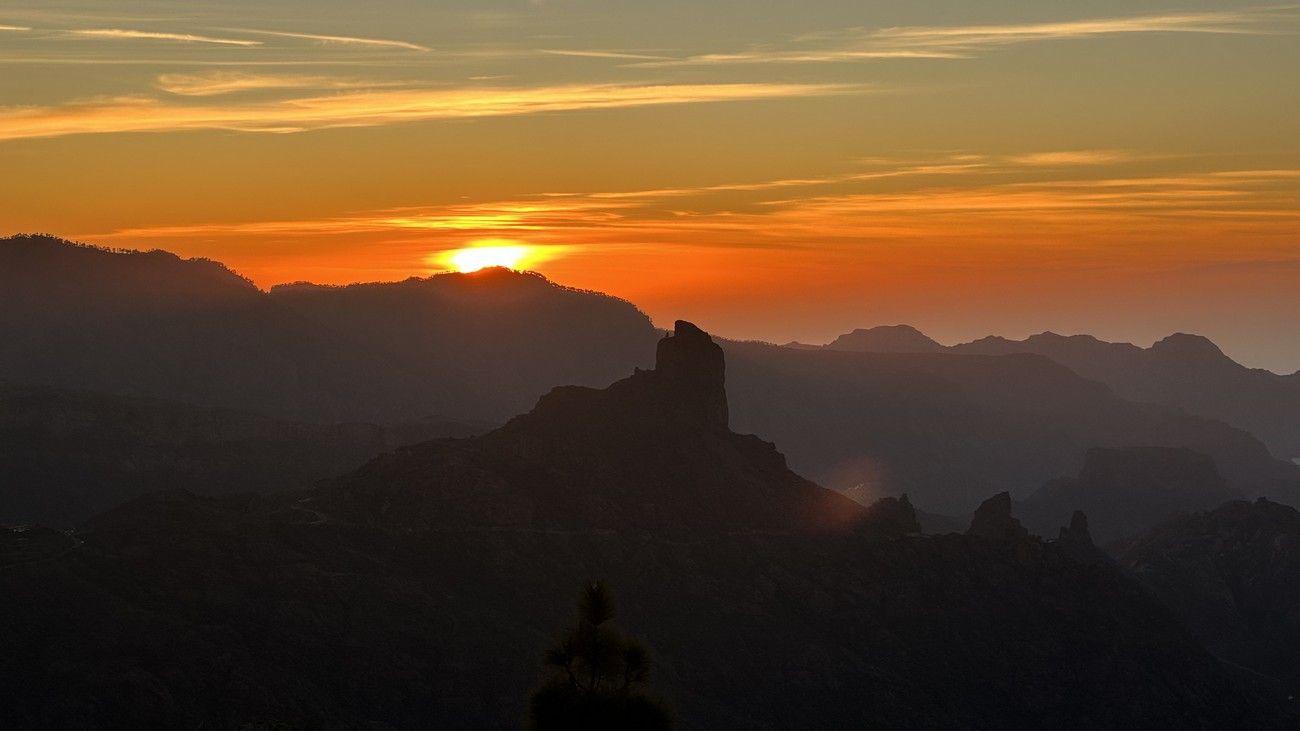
<point>597,675</point>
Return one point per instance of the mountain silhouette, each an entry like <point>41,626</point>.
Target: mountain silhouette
<point>1182,370</point>
<point>1232,574</point>
<point>473,347</point>
<point>651,451</point>
<point>950,429</point>
<point>886,339</point>
<point>479,348</point>
<point>1126,492</point>
<point>419,592</point>
<point>66,455</point>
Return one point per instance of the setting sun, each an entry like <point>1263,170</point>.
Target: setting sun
<point>472,259</point>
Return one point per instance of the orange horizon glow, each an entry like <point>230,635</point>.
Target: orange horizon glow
<point>782,175</point>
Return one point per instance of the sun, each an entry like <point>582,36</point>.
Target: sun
<point>488,253</point>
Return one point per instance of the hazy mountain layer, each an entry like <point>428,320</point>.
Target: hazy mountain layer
<point>1127,492</point>
<point>401,597</point>
<point>66,455</point>
<point>1187,371</point>
<point>951,429</point>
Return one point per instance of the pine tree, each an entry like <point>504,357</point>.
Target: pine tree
<point>597,676</point>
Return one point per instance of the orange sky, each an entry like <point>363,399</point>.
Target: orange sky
<point>786,174</point>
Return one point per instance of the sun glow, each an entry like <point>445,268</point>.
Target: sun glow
<point>492,253</point>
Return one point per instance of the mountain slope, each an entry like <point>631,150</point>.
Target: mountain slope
<point>950,429</point>
<point>1186,371</point>
<point>1232,575</point>
<point>1182,370</point>
<point>66,455</point>
<point>477,347</point>
<point>423,591</point>
<point>652,451</point>
<point>1126,492</point>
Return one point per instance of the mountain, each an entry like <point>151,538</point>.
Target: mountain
<point>1185,371</point>
<point>482,347</point>
<point>1182,370</point>
<point>1232,574</point>
<point>886,339</point>
<point>650,452</point>
<point>949,429</point>
<point>1128,491</point>
<point>475,347</point>
<point>66,455</point>
<point>400,597</point>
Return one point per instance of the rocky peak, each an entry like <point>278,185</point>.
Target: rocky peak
<point>1077,532</point>
<point>993,520</point>
<point>690,368</point>
<point>890,517</point>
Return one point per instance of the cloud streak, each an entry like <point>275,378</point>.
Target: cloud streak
<point>373,108</point>
<point>959,42</point>
<point>332,39</point>
<point>135,35</point>
<point>232,82</point>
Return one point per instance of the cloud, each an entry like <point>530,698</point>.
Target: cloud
<point>604,54</point>
<point>340,40</point>
<point>16,28</point>
<point>1070,157</point>
<point>958,42</point>
<point>372,108</point>
<point>1248,21</point>
<point>816,56</point>
<point>123,34</point>
<point>230,82</point>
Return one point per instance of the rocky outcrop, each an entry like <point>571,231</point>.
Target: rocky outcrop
<point>651,452</point>
<point>1077,532</point>
<point>691,372</point>
<point>993,521</point>
<point>889,518</point>
<point>1233,576</point>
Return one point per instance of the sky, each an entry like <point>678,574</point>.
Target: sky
<point>768,169</point>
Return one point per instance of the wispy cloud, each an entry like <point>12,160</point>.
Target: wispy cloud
<point>925,208</point>
<point>1070,157</point>
<point>364,109</point>
<point>332,39</point>
<point>957,42</point>
<point>230,82</point>
<point>124,34</point>
<point>807,56</point>
<point>17,28</point>
<point>603,54</point>
<point>1254,21</point>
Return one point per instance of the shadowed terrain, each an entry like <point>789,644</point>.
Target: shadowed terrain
<point>408,601</point>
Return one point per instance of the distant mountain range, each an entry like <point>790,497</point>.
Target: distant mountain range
<point>423,589</point>
<point>478,347</point>
<point>1186,371</point>
<point>948,428</point>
